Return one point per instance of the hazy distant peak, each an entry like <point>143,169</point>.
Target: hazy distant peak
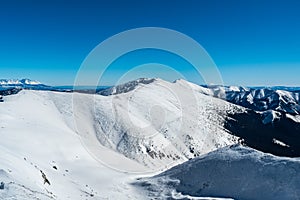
<point>19,82</point>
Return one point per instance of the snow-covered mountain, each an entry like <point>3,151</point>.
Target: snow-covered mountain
<point>13,86</point>
<point>59,145</point>
<point>126,87</point>
<point>261,99</point>
<point>17,82</point>
<point>234,172</point>
<point>271,102</point>
<point>154,122</point>
<point>259,127</point>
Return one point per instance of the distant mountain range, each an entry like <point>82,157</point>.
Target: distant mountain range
<point>276,99</point>
<point>17,82</point>
<point>13,86</point>
<point>282,99</point>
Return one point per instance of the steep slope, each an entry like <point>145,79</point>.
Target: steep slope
<point>160,124</point>
<point>281,137</point>
<point>271,121</point>
<point>270,131</point>
<point>235,172</point>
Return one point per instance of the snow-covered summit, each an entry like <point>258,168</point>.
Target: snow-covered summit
<point>126,87</point>
<point>159,123</point>
<point>18,82</point>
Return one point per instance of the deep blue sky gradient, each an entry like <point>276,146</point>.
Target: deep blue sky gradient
<point>253,42</point>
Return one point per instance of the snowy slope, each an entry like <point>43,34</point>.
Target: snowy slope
<point>57,145</point>
<point>37,138</point>
<point>233,172</point>
<point>270,102</point>
<point>76,141</point>
<point>161,123</point>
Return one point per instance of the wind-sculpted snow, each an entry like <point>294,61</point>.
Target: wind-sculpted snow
<point>235,172</point>
<point>160,124</point>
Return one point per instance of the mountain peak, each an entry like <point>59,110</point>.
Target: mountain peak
<point>18,82</point>
<point>127,87</point>
<point>30,82</point>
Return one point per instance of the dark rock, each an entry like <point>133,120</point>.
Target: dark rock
<point>254,133</point>
<point>2,186</point>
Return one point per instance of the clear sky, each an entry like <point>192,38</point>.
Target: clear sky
<point>253,42</point>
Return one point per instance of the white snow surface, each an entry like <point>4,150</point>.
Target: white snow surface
<point>36,135</point>
<point>160,124</point>
<point>234,172</point>
<point>95,147</point>
<point>85,144</point>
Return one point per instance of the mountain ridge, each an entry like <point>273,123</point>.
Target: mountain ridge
<point>19,82</point>
<point>74,140</point>
<point>221,173</point>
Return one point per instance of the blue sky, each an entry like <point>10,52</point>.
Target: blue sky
<point>253,42</point>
